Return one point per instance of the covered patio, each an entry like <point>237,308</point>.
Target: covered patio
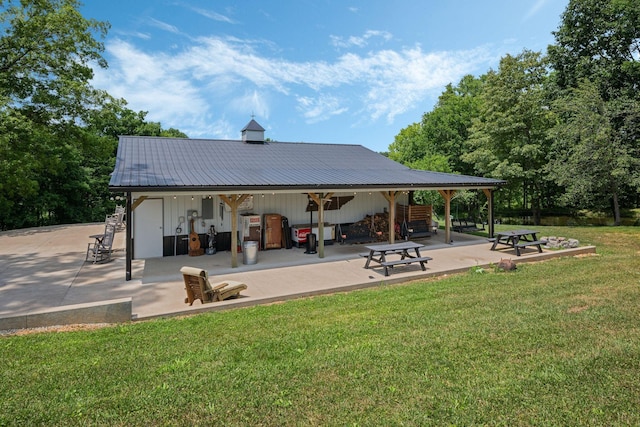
<point>175,173</point>
<point>55,275</point>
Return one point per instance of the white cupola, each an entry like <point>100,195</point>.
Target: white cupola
<point>253,133</point>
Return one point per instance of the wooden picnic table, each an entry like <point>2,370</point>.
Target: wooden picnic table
<point>378,253</point>
<point>517,239</point>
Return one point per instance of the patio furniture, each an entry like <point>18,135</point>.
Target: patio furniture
<point>402,249</point>
<point>197,285</point>
<point>100,250</point>
<point>355,233</point>
<point>119,215</point>
<point>415,229</point>
<point>465,225</point>
<point>517,239</point>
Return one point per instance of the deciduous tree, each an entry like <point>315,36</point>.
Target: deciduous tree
<point>596,59</point>
<point>446,128</point>
<point>599,40</point>
<point>509,139</point>
<point>589,160</point>
<point>47,50</point>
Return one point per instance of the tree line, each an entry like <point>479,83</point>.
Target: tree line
<point>562,127</point>
<point>58,134</point>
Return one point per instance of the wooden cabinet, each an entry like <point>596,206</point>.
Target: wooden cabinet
<point>272,231</point>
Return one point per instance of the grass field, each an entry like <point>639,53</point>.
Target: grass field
<point>552,343</point>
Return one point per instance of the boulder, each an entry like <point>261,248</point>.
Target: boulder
<point>506,265</point>
<point>554,242</point>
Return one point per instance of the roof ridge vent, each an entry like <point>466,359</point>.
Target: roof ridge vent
<point>253,133</point>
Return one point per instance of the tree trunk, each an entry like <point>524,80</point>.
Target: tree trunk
<point>536,213</point>
<point>616,210</point>
<point>524,201</point>
<point>536,204</point>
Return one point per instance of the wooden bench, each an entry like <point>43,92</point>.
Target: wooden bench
<point>523,244</point>
<point>409,260</point>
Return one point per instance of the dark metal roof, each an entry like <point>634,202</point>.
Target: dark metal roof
<point>168,164</point>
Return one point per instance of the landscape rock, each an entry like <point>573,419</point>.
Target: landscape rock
<point>506,265</point>
<point>554,242</point>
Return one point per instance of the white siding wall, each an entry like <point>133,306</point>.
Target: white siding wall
<point>293,206</point>
<point>177,207</point>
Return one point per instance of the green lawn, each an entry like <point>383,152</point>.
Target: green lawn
<point>552,343</point>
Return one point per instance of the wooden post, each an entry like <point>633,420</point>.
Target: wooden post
<point>490,220</point>
<point>391,198</point>
<point>447,195</point>
<point>320,200</point>
<point>234,201</point>
<point>139,200</point>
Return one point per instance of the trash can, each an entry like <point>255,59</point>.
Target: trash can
<point>311,244</point>
<point>250,252</point>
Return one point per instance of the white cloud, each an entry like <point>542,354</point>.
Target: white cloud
<point>163,26</point>
<point>534,9</point>
<point>319,109</point>
<point>359,41</point>
<point>136,34</point>
<point>252,102</point>
<point>150,83</point>
<point>193,88</point>
<point>212,15</point>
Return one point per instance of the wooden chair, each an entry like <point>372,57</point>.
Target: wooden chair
<point>197,285</point>
<point>119,214</point>
<point>100,250</point>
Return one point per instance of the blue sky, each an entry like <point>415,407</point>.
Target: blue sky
<point>351,72</point>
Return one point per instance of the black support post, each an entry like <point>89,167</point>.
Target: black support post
<point>128,248</point>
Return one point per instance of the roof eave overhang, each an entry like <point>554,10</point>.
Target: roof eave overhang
<point>306,188</point>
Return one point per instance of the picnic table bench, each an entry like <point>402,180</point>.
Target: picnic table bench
<point>378,253</point>
<point>517,239</point>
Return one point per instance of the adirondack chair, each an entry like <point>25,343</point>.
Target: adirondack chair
<point>197,285</point>
<point>100,250</point>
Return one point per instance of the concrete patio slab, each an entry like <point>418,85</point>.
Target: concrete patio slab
<point>45,268</point>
